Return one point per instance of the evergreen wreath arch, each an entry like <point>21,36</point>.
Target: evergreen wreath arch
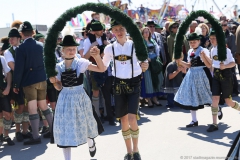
<point>115,13</point>
<point>215,25</point>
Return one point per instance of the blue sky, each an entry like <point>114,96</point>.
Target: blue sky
<point>47,11</point>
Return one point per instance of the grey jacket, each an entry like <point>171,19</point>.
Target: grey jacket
<point>159,39</point>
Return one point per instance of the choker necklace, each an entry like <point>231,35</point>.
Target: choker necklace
<point>69,58</point>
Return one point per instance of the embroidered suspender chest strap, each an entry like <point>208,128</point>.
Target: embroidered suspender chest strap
<point>131,59</point>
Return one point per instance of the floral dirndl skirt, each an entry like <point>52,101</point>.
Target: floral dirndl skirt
<point>73,120</point>
<point>194,91</point>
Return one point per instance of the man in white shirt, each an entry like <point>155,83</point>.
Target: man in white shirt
<point>81,45</point>
<point>127,77</point>
<point>94,39</point>
<point>21,115</point>
<point>222,81</point>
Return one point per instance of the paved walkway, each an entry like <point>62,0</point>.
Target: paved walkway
<point>163,136</point>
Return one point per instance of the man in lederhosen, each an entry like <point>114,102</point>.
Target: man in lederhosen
<point>96,38</point>
<point>222,81</point>
<point>127,73</point>
<point>29,73</point>
<point>5,106</point>
<point>21,115</point>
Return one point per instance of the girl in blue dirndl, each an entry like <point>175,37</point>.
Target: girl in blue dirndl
<point>195,91</point>
<point>74,121</point>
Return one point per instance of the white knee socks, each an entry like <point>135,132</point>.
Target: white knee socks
<point>90,144</point>
<point>194,115</point>
<point>67,153</point>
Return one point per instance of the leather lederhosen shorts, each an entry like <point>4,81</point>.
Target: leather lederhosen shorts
<point>222,83</point>
<point>37,91</point>
<point>5,104</point>
<point>126,93</point>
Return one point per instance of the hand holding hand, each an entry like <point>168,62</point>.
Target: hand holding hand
<point>202,54</point>
<point>95,43</point>
<point>94,51</point>
<point>53,79</point>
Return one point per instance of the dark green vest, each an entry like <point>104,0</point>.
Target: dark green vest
<point>12,51</point>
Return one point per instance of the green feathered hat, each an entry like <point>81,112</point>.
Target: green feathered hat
<point>114,23</point>
<point>96,26</point>
<point>14,33</point>
<point>5,42</point>
<point>193,36</point>
<point>150,22</point>
<point>212,33</point>
<point>38,35</point>
<point>26,26</point>
<point>69,40</point>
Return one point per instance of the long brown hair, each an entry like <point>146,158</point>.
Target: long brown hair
<point>150,34</point>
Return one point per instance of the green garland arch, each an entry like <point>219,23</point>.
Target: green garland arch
<point>115,13</point>
<point>215,25</point>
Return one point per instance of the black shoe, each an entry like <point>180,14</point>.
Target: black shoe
<point>44,129</point>
<point>92,153</point>
<point>221,115</point>
<point>192,124</point>
<point>128,157</point>
<point>27,135</point>
<point>136,156</point>
<point>47,135</point>
<point>212,128</point>
<point>9,141</point>
<point>32,141</point>
<point>143,102</point>
<point>150,106</point>
<point>162,98</point>
<point>159,104</point>
<point>1,138</point>
<point>19,136</point>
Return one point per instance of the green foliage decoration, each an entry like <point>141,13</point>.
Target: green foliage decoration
<point>215,25</point>
<point>113,12</point>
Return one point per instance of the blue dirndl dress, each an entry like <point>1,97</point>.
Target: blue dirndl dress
<point>73,120</point>
<point>195,90</point>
